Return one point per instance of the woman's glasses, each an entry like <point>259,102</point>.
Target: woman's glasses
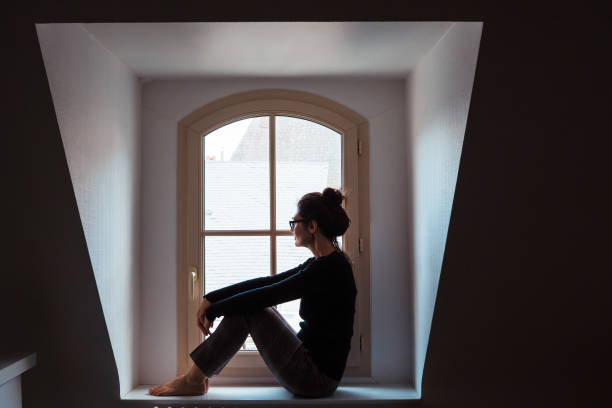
<point>293,222</point>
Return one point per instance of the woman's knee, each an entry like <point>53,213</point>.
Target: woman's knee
<point>235,320</point>
<point>259,314</point>
<point>262,323</point>
<point>252,316</point>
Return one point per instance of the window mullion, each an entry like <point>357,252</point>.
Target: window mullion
<point>272,155</point>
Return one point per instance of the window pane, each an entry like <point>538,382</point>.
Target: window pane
<point>308,159</point>
<point>229,260</point>
<point>289,256</point>
<point>237,176</point>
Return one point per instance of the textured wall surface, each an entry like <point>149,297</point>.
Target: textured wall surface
<point>10,393</point>
<point>438,93</point>
<point>382,103</point>
<point>97,103</point>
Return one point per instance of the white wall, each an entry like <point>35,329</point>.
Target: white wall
<point>438,97</point>
<point>97,103</point>
<point>382,102</point>
<point>10,393</point>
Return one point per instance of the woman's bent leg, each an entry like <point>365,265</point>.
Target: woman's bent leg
<point>218,349</point>
<point>274,337</point>
<point>285,355</point>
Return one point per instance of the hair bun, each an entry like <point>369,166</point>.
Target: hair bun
<point>333,196</point>
<point>326,208</point>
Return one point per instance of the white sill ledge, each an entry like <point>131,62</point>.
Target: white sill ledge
<point>13,365</point>
<point>243,395</point>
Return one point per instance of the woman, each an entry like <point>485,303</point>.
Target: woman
<point>310,363</point>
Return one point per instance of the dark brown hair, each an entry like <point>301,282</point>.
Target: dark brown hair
<point>326,209</point>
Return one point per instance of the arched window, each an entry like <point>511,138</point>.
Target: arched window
<point>244,162</point>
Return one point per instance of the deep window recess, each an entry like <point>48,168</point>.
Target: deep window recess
<point>244,162</point>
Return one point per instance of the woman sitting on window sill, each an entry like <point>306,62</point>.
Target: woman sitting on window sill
<point>309,363</point>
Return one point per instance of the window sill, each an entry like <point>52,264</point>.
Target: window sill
<point>12,366</point>
<point>243,395</point>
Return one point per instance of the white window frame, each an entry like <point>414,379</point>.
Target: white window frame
<point>355,163</point>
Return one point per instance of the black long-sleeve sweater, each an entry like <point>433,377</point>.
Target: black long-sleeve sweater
<point>327,290</point>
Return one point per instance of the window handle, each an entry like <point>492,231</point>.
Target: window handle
<point>194,278</point>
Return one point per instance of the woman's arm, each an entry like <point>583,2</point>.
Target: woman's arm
<point>285,290</point>
<point>231,290</point>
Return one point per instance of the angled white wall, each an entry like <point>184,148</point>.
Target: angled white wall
<point>97,103</point>
<point>438,95</point>
<point>382,103</point>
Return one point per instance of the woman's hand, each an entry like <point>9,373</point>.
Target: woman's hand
<point>207,326</point>
<point>203,322</point>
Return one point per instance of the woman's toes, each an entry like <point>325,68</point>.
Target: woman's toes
<point>154,390</point>
<point>179,386</point>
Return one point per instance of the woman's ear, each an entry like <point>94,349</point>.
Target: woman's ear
<point>312,226</point>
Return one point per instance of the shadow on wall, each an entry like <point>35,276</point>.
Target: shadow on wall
<point>50,301</point>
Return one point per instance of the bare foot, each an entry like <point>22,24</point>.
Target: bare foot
<point>181,386</point>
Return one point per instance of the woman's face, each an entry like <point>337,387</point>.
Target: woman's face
<point>300,232</point>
